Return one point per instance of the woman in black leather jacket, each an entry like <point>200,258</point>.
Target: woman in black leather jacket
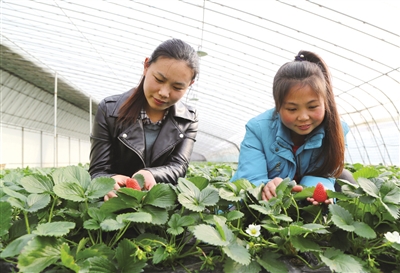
<point>147,130</point>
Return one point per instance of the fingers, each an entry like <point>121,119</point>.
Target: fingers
<point>269,191</point>
<point>109,195</point>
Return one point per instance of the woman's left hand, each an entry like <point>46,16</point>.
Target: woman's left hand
<point>149,180</point>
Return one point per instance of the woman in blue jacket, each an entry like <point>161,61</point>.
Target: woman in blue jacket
<point>302,137</point>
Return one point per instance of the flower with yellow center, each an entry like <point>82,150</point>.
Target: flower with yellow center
<point>253,230</point>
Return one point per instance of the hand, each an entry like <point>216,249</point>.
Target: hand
<point>120,181</point>
<point>149,180</point>
<point>269,189</point>
<point>316,203</point>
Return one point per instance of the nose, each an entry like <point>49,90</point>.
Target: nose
<point>303,115</point>
<point>164,91</point>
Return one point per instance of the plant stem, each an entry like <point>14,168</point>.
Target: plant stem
<point>52,208</point>
<point>28,229</point>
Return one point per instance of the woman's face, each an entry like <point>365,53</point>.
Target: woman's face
<point>166,81</point>
<point>302,111</point>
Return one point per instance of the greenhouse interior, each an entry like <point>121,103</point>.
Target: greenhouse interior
<point>59,59</point>
<point>195,172</point>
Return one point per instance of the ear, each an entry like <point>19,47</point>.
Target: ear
<point>191,82</point>
<point>145,65</point>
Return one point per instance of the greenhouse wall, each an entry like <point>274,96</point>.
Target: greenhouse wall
<point>27,128</point>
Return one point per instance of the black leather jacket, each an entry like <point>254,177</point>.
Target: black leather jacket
<point>121,150</point>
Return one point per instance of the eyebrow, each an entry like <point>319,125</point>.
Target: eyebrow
<point>292,103</point>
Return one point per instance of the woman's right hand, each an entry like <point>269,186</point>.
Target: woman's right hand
<point>269,189</point>
<point>120,181</point>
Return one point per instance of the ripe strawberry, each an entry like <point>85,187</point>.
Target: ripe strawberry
<point>133,184</point>
<point>320,193</point>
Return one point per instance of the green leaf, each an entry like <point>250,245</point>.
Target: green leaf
<point>5,219</point>
<point>140,179</point>
<point>72,174</point>
<point>98,265</point>
<point>177,222</point>
<point>271,262</point>
<point>229,195</point>
<point>36,201</point>
<point>161,195</point>
<point>369,187</point>
<point>67,259</point>
<point>303,244</point>
<point>38,254</point>
<point>70,191</point>
<point>237,253</point>
<point>209,196</point>
<point>159,215</point>
<point>135,217</point>
<point>99,187</point>
<point>234,215</point>
<point>91,224</point>
<point>341,217</point>
<point>114,205</point>
<point>209,235</point>
<point>37,184</point>
<point>200,182</point>
<point>15,247</point>
<point>232,266</point>
<point>337,261</point>
<point>364,230</point>
<point>14,194</point>
<point>365,172</point>
<point>123,254</point>
<point>55,229</point>
<point>159,255</point>
<point>111,225</point>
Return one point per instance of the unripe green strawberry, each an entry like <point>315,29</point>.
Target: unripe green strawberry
<point>133,184</point>
<point>320,193</point>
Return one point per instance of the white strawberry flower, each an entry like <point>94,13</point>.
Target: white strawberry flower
<point>393,237</point>
<point>253,230</point>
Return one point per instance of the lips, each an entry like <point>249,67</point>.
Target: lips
<point>304,127</point>
<point>158,102</point>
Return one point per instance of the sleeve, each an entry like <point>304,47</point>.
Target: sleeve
<point>346,129</point>
<point>100,139</point>
<point>252,163</point>
<point>178,161</point>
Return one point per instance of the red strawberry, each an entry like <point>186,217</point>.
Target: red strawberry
<point>320,193</point>
<point>133,184</point>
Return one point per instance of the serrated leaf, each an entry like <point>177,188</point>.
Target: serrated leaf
<point>159,215</point>
<point>368,186</point>
<point>123,254</point>
<point>111,225</point>
<point>364,230</point>
<point>72,174</point>
<point>190,203</point>
<point>209,196</point>
<point>67,259</point>
<point>159,255</point>
<point>340,262</point>
<point>161,195</point>
<point>37,184</point>
<point>266,210</point>
<point>98,265</point>
<point>15,247</point>
<point>6,216</point>
<point>99,187</point>
<point>237,253</point>
<point>270,261</point>
<point>200,182</point>
<point>14,194</point>
<point>229,195</point>
<point>392,209</point>
<point>209,235</point>
<point>176,223</point>
<point>303,244</point>
<point>232,266</point>
<point>55,229</point>
<point>135,217</point>
<point>234,215</point>
<point>70,191</point>
<point>36,201</point>
<point>38,254</point>
<point>341,217</point>
<point>91,224</point>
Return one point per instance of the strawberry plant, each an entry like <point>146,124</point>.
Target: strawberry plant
<point>55,220</point>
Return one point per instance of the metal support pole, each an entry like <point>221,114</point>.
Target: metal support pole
<point>55,121</point>
<point>90,115</point>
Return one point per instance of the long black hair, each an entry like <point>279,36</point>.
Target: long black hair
<point>172,49</point>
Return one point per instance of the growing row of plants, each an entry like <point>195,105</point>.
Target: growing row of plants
<point>55,220</point>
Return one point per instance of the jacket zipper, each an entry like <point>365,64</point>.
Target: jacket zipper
<point>141,158</point>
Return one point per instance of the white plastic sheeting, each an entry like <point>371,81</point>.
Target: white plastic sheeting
<point>98,48</point>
